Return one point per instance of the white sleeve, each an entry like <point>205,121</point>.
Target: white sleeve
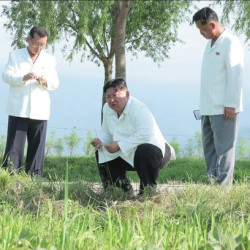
<point>51,74</point>
<point>9,76</point>
<point>234,67</point>
<point>105,135</point>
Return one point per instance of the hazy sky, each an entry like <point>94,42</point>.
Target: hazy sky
<point>171,91</point>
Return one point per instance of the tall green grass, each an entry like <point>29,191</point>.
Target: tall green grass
<point>71,216</point>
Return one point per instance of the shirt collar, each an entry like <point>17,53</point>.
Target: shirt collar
<point>126,110</point>
<point>221,36</point>
<point>28,55</point>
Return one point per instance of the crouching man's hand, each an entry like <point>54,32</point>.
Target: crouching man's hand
<point>97,143</point>
<point>113,147</point>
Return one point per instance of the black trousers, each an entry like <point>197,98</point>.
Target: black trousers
<point>148,161</point>
<point>18,130</point>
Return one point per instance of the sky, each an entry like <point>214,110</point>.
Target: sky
<point>171,91</point>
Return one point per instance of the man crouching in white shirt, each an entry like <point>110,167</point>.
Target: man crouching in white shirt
<point>130,140</point>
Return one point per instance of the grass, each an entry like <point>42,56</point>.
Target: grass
<point>180,170</point>
<point>203,217</point>
<point>79,168</point>
<point>72,216</point>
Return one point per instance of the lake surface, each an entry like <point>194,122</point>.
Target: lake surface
<point>78,104</point>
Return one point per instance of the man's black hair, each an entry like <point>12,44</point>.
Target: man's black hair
<point>205,15</point>
<point>118,83</point>
<point>40,31</point>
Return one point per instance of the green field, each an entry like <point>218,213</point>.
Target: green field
<point>180,170</point>
<point>61,212</point>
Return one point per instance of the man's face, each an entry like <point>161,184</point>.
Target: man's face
<point>117,99</point>
<point>36,44</point>
<point>206,30</point>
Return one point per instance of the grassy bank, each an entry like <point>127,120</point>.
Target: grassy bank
<point>34,216</point>
<point>38,215</point>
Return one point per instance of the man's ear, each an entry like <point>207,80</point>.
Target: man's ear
<point>127,93</point>
<point>28,39</point>
<point>213,25</point>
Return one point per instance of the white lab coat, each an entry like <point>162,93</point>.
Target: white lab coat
<point>29,99</point>
<point>135,126</point>
<point>221,75</point>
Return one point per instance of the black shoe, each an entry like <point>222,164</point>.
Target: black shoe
<point>148,191</point>
<point>130,193</point>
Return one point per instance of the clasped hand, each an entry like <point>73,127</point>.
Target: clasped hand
<point>40,79</point>
<point>111,148</point>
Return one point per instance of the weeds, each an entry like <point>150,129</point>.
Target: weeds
<point>64,215</point>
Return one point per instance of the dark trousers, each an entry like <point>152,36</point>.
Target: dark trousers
<point>148,161</point>
<point>18,130</point>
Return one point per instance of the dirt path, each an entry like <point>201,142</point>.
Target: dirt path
<point>97,186</point>
<point>161,188</point>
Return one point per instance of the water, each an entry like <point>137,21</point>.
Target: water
<point>77,103</point>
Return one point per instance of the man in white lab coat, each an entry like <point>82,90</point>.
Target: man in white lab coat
<point>130,140</point>
<point>220,96</point>
<point>30,73</point>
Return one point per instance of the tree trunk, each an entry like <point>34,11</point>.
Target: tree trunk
<point>108,76</point>
<point>122,9</point>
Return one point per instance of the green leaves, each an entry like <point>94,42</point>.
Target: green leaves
<point>151,25</point>
<point>218,238</point>
<point>237,14</point>
<point>72,141</point>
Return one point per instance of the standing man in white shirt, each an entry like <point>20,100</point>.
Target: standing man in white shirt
<point>130,140</point>
<point>30,74</point>
<point>220,96</point>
